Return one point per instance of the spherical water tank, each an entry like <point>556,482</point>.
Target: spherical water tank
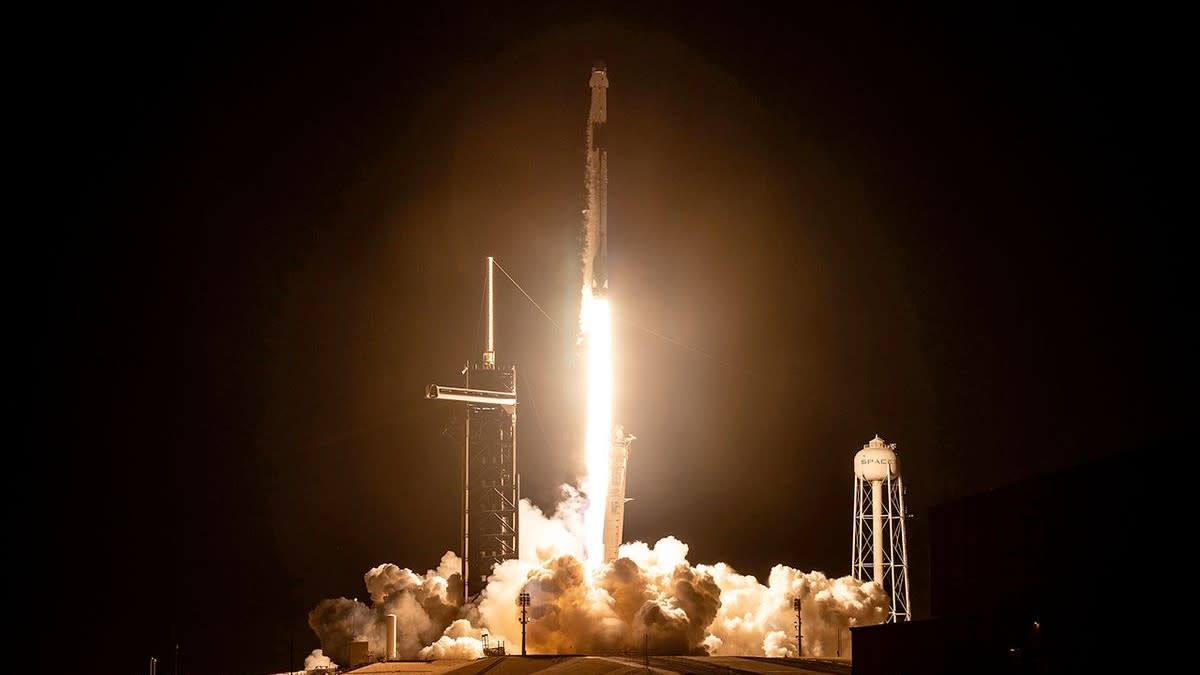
<point>876,461</point>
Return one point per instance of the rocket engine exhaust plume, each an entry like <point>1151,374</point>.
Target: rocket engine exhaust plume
<point>596,327</point>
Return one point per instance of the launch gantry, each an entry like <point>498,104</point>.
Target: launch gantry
<point>491,529</point>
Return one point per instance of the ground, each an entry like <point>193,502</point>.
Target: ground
<point>611,665</point>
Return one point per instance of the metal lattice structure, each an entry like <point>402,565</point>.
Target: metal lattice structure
<point>879,549</point>
<point>490,482</point>
<point>491,485</point>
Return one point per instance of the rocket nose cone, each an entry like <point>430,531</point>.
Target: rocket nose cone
<point>599,76</point>
<point>599,67</point>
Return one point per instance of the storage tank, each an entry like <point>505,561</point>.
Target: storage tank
<point>391,637</point>
<point>876,461</point>
<point>879,550</point>
<point>359,653</point>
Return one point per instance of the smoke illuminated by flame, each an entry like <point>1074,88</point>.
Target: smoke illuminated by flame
<point>595,320</point>
<point>648,597</point>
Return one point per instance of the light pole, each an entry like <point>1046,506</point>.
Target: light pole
<point>523,599</point>
<point>799,632</point>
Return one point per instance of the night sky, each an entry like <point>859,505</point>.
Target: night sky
<point>270,234</point>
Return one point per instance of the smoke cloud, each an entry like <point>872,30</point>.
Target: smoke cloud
<point>650,596</point>
<point>424,605</point>
<point>460,640</point>
<point>318,661</point>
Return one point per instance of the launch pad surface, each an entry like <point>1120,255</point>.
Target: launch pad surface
<point>611,665</point>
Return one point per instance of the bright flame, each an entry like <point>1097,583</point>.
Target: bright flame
<point>596,327</point>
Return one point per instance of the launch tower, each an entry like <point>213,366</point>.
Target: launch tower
<point>879,551</point>
<point>491,484</point>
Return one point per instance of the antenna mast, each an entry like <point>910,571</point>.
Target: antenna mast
<point>489,339</point>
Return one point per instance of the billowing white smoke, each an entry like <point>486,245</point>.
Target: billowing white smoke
<point>460,640</point>
<point>651,595</point>
<point>318,661</point>
<point>757,619</point>
<point>424,606</point>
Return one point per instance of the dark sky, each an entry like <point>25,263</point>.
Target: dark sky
<point>942,228</point>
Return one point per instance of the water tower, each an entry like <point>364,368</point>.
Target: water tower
<point>880,546</point>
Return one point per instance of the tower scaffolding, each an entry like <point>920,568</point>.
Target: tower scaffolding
<point>491,531</point>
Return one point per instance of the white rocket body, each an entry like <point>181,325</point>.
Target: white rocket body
<point>595,278</point>
<point>595,258</point>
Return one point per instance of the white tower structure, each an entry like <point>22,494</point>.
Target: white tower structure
<point>879,551</point>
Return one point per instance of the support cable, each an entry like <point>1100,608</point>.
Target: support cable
<point>690,348</point>
<point>527,296</point>
<point>648,331</point>
<point>536,415</point>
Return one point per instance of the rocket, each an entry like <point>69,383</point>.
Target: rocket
<point>596,253</point>
<point>595,265</point>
